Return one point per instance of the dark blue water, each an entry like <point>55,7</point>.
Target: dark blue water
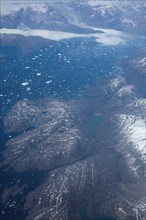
<point>64,69</point>
<point>84,216</point>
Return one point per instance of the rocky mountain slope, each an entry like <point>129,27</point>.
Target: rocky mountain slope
<point>84,165</point>
<point>71,16</point>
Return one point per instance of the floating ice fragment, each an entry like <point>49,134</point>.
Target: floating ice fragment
<point>39,74</point>
<point>25,83</point>
<point>8,100</point>
<point>28,89</point>
<point>48,82</point>
<point>108,37</point>
<point>27,67</point>
<point>59,55</point>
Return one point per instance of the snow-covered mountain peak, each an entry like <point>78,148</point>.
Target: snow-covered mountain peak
<point>70,15</point>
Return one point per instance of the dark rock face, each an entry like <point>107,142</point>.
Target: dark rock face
<point>89,183</point>
<point>49,135</point>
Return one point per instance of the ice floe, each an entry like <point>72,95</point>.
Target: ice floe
<point>25,83</point>
<point>109,37</point>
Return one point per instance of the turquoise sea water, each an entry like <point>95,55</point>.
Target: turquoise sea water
<point>93,123</point>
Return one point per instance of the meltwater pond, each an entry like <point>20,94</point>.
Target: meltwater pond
<point>94,122</point>
<point>63,69</point>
